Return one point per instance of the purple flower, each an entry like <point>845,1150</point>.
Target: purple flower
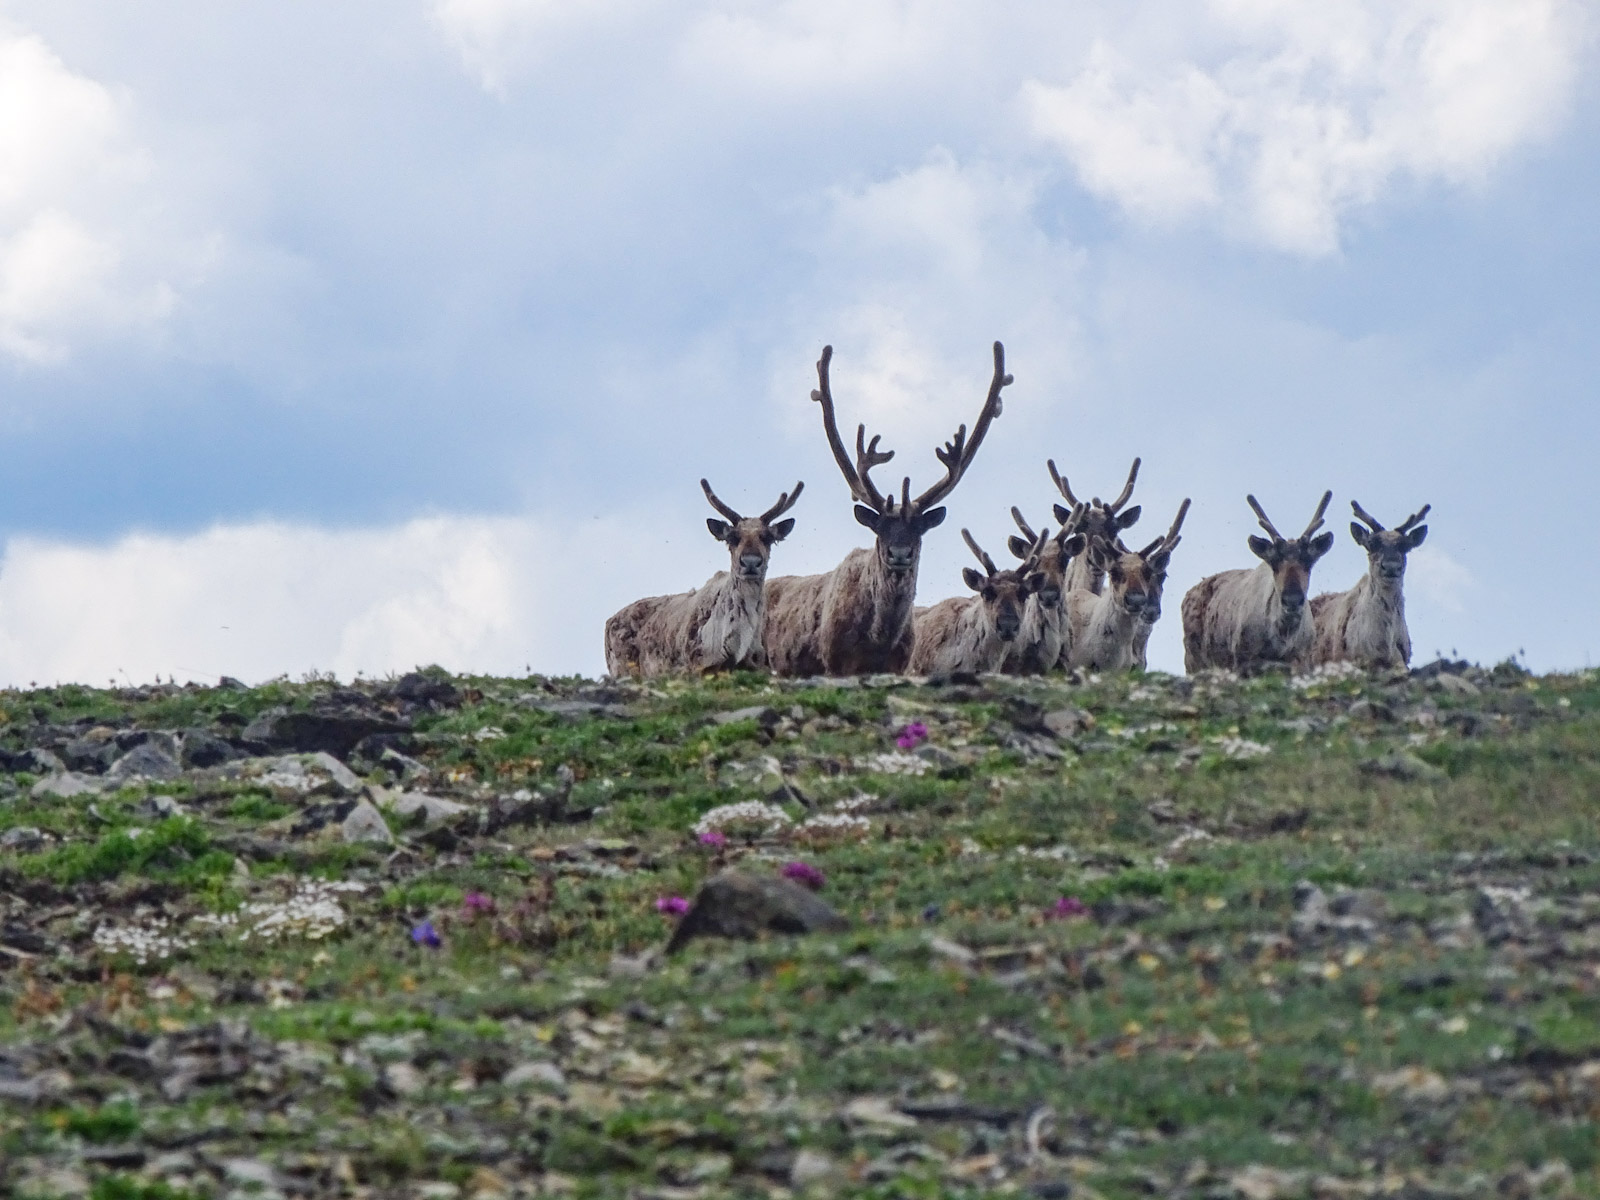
<point>476,902</point>
<point>714,838</point>
<point>804,874</point>
<point>912,736</point>
<point>672,906</point>
<point>1066,908</point>
<point>426,935</point>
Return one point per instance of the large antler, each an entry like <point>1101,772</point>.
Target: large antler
<point>1316,517</point>
<point>982,556</point>
<point>785,503</point>
<point>867,456</point>
<point>719,505</point>
<point>958,452</point>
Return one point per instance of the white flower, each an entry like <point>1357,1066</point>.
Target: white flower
<point>835,823</point>
<point>1328,672</point>
<point>893,764</point>
<point>1243,748</point>
<point>766,817</point>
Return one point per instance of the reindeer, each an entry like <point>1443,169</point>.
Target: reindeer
<point>720,626</point>
<point>973,633</point>
<point>1244,619</point>
<point>857,618</point>
<point>1367,624</point>
<point>1152,598</point>
<point>1102,523</point>
<point>1042,640</point>
<point>1106,626</point>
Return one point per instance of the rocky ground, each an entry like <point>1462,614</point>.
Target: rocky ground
<point>442,937</point>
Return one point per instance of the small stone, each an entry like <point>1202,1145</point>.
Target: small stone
<point>811,1166</point>
<point>1456,685</point>
<point>249,1171</point>
<point>535,1074</point>
<point>1402,764</point>
<point>761,714</point>
<point>21,837</point>
<point>201,749</point>
<point>66,785</point>
<point>366,824</point>
<point>403,1079</point>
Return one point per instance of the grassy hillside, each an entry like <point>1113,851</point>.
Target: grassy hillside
<point>1132,937</point>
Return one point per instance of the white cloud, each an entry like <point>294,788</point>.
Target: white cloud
<point>1310,111</point>
<point>1438,580</point>
<point>495,38</point>
<point>254,601</point>
<point>70,187</point>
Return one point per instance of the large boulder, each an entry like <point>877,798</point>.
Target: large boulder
<point>331,731</point>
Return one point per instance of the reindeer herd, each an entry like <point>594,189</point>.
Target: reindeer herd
<point>1077,598</point>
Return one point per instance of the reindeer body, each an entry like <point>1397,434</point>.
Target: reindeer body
<point>853,620</point>
<point>719,626</point>
<point>857,619</point>
<point>1106,628</point>
<point>1237,620</point>
<point>972,633</point>
<point>1367,624</point>
<point>1243,620</point>
<point>1041,643</point>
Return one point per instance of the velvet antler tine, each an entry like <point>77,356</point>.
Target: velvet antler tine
<point>1362,513</point>
<point>959,451</point>
<point>1016,515</point>
<point>979,553</point>
<point>1127,489</point>
<point>1177,522</point>
<point>718,504</point>
<point>785,503</point>
<point>1265,524</point>
<point>1406,525</point>
<point>1060,481</point>
<point>1316,517</point>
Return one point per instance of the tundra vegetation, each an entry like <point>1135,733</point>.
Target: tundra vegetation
<point>1335,934</point>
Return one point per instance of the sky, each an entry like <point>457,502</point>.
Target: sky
<point>355,337</point>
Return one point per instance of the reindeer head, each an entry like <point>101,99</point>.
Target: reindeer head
<point>1291,560</point>
<point>1157,556</point>
<point>899,526</point>
<point>1387,548</point>
<point>750,539</point>
<point>1051,555</point>
<point>1100,522</point>
<point>1004,593</point>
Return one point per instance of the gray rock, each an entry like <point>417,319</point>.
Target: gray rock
<point>763,715</point>
<point>1455,685</point>
<point>433,810</point>
<point>535,1074</point>
<point>1402,764</point>
<point>38,761</point>
<point>148,761</point>
<point>21,837</point>
<point>811,1166</point>
<point>66,785</point>
<point>366,824</point>
<point>305,774</point>
<point>202,749</point>
<point>309,732</point>
<point>736,905</point>
<point>1067,722</point>
<point>92,753</point>
<point>403,1079</point>
<point>403,766</point>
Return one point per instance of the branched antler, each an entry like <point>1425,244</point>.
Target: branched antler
<point>1113,508</point>
<point>1406,525</point>
<point>720,506</point>
<point>1272,530</point>
<point>1169,540</point>
<point>867,457</point>
<point>959,452</point>
<point>785,503</point>
<point>1377,526</point>
<point>1022,524</point>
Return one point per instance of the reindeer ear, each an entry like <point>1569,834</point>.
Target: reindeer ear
<point>1018,547</point>
<point>1415,537</point>
<point>1034,583</point>
<point>719,529</point>
<point>1261,548</point>
<point>1158,561</point>
<point>1359,532</point>
<point>972,579</point>
<point>1074,545</point>
<point>1320,545</point>
<point>782,529</point>
<point>1126,519</point>
<point>927,520</point>
<point>867,517</point>
<point>1062,513</point>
